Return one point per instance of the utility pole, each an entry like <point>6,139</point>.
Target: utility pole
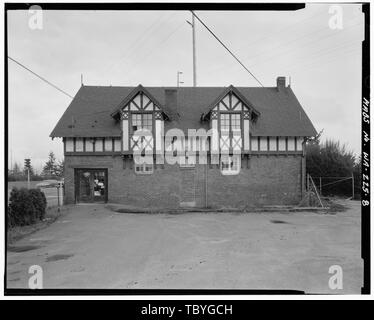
<point>193,48</point>
<point>178,81</point>
<point>11,161</point>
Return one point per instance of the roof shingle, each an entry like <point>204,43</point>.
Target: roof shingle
<point>89,113</point>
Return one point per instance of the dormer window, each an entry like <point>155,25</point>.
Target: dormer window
<point>141,121</point>
<point>230,122</point>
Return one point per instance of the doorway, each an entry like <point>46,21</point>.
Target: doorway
<point>91,185</point>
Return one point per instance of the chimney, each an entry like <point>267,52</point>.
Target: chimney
<point>281,82</point>
<point>171,101</point>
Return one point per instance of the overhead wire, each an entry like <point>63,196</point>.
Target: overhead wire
<point>227,49</point>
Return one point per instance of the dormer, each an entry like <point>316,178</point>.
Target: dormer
<point>231,116</point>
<point>141,111</point>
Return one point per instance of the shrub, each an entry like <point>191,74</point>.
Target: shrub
<point>26,206</point>
<point>39,201</point>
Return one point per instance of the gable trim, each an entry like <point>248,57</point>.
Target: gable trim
<point>132,95</point>
<point>231,89</point>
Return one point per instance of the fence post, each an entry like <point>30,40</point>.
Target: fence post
<point>353,186</point>
<point>58,197</point>
<point>320,186</point>
<point>307,188</point>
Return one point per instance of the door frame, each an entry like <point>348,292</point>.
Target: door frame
<point>76,183</point>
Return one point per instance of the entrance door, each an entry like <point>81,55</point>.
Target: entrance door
<point>91,185</point>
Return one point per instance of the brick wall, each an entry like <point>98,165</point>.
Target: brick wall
<point>268,180</point>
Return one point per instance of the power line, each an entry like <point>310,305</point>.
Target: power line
<point>142,59</point>
<point>299,47</point>
<point>228,50</point>
<point>288,49</point>
<point>132,49</point>
<point>40,77</point>
<point>57,88</point>
<point>329,56</point>
<point>281,31</point>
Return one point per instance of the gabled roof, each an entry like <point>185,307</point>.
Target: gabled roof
<point>89,113</point>
<point>132,95</point>
<point>225,92</point>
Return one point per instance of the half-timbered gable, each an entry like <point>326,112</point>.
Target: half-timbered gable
<point>142,121</point>
<point>231,116</point>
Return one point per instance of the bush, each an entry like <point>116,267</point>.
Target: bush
<point>26,206</point>
<point>39,201</point>
<point>330,160</point>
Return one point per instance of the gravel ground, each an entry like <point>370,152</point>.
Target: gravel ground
<point>93,247</point>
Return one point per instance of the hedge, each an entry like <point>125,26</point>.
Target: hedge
<point>26,206</point>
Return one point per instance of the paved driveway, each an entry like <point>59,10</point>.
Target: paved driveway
<point>93,247</point>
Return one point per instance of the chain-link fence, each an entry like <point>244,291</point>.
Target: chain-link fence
<point>346,186</point>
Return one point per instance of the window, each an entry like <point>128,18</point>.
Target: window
<point>117,145</point>
<point>99,146</point>
<point>142,120</point>
<point>187,162</point>
<point>79,144</point>
<point>230,122</point>
<point>89,145</point>
<point>235,121</point>
<point>144,168</point>
<point>225,121</point>
<point>69,145</point>
<point>230,165</point>
<point>108,144</point>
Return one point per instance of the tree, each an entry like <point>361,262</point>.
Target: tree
<point>27,170</point>
<point>357,171</point>
<point>50,167</point>
<point>60,168</point>
<point>16,169</point>
<point>331,160</point>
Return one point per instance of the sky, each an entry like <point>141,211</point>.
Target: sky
<point>149,47</point>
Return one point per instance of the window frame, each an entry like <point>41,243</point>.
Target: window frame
<point>142,120</point>
<point>230,118</point>
<point>229,171</point>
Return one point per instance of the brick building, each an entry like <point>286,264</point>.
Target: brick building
<point>187,146</point>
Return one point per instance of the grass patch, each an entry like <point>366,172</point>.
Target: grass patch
<point>18,232</point>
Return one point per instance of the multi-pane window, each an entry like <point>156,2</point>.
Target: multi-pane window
<point>141,121</point>
<point>235,121</point>
<point>230,122</point>
<point>144,168</point>
<point>230,165</point>
<point>225,121</point>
